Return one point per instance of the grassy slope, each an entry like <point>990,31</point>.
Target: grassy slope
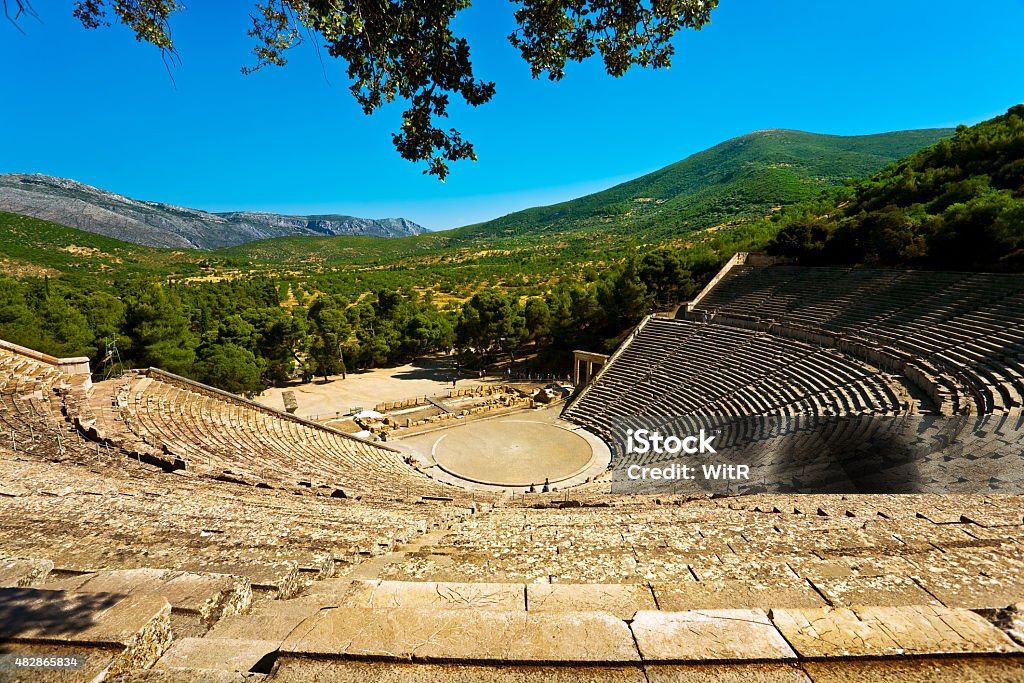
<point>740,179</point>
<point>731,183</point>
<point>30,246</point>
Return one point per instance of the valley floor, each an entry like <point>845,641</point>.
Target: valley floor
<point>365,389</point>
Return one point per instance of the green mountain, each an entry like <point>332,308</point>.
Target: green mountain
<point>714,192</point>
<point>958,204</point>
<point>737,181</point>
<point>742,178</point>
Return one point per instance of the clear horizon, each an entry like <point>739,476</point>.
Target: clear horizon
<point>97,107</point>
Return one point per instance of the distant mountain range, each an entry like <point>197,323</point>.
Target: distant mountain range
<point>87,208</point>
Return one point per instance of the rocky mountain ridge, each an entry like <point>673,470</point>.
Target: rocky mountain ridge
<point>154,224</point>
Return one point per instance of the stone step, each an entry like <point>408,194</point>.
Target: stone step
<point>270,621</point>
<point>204,654</point>
<point>276,579</point>
<point>292,670</point>
<point>485,636</point>
<point>18,572</point>
<point>479,636</point>
<point>622,600</point>
<point>197,600</point>
<point>99,661</point>
<point>433,595</point>
<point>915,670</point>
<point>709,636</point>
<point>124,631</point>
<point>890,631</point>
<point>184,676</point>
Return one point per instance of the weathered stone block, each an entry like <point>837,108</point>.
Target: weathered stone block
<point>709,635</point>
<point>620,600</point>
<point>888,631</point>
<point>464,635</point>
<point>433,595</point>
<point>22,573</point>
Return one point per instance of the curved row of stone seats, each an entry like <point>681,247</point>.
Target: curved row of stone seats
<point>130,516</point>
<point>476,632</point>
<point>863,564</point>
<point>655,642</point>
<point>216,434</point>
<point>679,367</point>
<point>675,588</point>
<point>970,325</point>
<point>747,552</point>
<point>33,391</point>
<point>118,560</point>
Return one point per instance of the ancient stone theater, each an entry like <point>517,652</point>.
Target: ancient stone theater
<point>157,529</point>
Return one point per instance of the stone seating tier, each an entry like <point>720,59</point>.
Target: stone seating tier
<point>216,435</point>
<point>967,325</point>
<point>680,367</point>
<point>768,583</point>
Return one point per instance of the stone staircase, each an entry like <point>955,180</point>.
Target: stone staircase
<point>157,625</point>
<point>421,631</point>
<point>849,620</point>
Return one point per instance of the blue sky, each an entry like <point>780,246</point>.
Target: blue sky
<point>98,107</point>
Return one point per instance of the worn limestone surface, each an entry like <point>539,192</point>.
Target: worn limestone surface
<point>964,577</point>
<point>459,635</point>
<point>20,573</point>
<point>758,672</point>
<point>918,670</point>
<point>186,676</point>
<point>320,671</point>
<point>709,635</point>
<point>736,594</point>
<point>889,631</point>
<point>216,654</point>
<point>207,596</point>
<point>136,627</point>
<point>891,591</point>
<point>620,600</point>
<point>98,662</point>
<point>429,594</point>
<point>1013,620</point>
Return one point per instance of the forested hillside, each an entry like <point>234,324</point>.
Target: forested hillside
<point>741,178</point>
<point>256,315</point>
<point>711,198</point>
<point>958,204</point>
<point>245,333</point>
<point>737,181</point>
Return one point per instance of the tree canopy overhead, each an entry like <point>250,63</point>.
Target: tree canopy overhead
<point>407,50</point>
